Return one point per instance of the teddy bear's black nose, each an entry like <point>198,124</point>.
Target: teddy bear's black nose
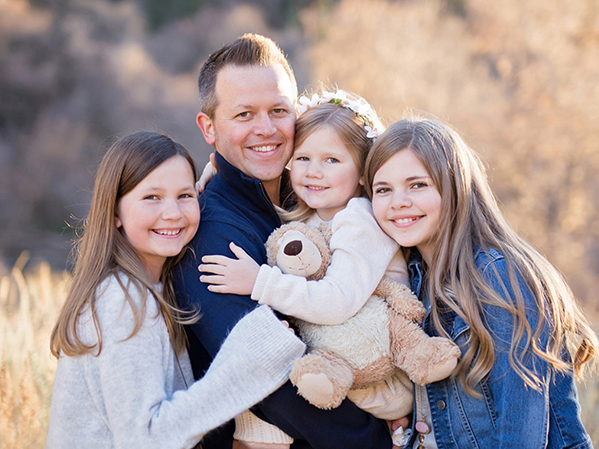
<point>293,248</point>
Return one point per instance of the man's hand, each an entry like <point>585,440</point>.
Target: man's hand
<point>209,172</point>
<point>236,276</point>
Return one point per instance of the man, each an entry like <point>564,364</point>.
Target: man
<point>247,100</point>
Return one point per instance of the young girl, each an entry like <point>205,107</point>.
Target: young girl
<point>124,378</point>
<point>521,333</point>
<point>333,137</point>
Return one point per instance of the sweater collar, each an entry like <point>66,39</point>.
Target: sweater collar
<point>251,189</point>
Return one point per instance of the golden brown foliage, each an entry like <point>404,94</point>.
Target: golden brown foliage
<point>518,79</point>
<point>29,304</point>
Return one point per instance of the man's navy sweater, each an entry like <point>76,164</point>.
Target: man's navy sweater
<point>236,208</point>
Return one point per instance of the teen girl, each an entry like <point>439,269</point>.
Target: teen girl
<point>124,378</point>
<point>333,137</point>
<point>521,334</point>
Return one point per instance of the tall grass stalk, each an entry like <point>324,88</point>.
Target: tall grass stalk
<point>29,305</point>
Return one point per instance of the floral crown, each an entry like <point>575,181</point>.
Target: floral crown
<point>358,106</point>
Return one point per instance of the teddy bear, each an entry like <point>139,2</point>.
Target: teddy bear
<point>384,336</point>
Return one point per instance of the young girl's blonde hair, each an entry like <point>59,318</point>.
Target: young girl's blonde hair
<point>471,219</point>
<point>349,128</point>
<point>104,251</point>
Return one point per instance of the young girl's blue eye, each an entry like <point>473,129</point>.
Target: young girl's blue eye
<point>332,160</point>
<point>302,158</point>
<point>381,190</point>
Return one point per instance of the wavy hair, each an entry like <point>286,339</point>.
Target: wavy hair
<point>471,218</point>
<point>103,250</point>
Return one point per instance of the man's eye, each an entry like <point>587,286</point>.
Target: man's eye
<point>278,110</point>
<point>244,114</point>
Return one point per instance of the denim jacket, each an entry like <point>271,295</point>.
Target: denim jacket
<point>508,414</point>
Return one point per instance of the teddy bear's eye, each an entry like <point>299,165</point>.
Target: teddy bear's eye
<point>293,248</point>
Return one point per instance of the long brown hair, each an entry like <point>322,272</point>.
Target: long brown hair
<point>103,250</point>
<point>471,218</point>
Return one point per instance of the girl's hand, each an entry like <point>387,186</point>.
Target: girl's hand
<point>236,276</point>
<point>209,172</point>
<point>404,423</point>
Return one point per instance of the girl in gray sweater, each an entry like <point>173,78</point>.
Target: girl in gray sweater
<point>124,378</point>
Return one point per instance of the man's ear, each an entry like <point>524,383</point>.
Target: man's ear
<point>207,126</point>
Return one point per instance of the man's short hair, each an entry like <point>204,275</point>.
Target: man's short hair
<point>249,49</point>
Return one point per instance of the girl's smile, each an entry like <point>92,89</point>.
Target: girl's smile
<point>324,174</point>
<point>406,203</point>
<point>161,214</point>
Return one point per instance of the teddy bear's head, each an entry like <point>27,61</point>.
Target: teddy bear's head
<point>299,249</point>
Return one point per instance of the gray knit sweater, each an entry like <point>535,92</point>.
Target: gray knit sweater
<point>134,394</point>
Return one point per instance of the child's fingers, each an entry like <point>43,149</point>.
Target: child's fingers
<point>214,280</point>
<point>238,251</point>
<point>216,259</point>
<point>219,288</point>
<point>212,268</point>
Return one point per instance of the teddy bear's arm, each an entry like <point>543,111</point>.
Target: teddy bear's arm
<point>361,253</point>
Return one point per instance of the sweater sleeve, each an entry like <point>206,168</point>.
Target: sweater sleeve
<point>361,252</point>
<point>254,360</point>
<point>248,427</point>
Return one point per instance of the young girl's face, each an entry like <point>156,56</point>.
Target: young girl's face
<point>406,203</point>
<point>324,174</point>
<point>161,214</point>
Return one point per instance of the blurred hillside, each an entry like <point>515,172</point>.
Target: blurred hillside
<point>76,74</point>
<point>520,80</point>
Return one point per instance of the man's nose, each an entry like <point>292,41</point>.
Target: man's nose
<point>265,125</point>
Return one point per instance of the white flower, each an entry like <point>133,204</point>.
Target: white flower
<point>305,103</point>
<point>372,133</point>
<point>358,107</point>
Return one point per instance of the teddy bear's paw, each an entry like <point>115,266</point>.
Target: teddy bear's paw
<point>404,302</point>
<point>445,356</point>
<point>317,389</point>
<point>322,379</point>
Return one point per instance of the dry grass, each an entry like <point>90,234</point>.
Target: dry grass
<point>29,304</point>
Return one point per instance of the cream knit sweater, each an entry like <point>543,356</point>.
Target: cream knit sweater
<point>134,393</point>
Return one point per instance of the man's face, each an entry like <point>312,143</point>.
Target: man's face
<point>254,122</point>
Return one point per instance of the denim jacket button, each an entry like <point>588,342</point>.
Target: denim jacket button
<point>441,405</point>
